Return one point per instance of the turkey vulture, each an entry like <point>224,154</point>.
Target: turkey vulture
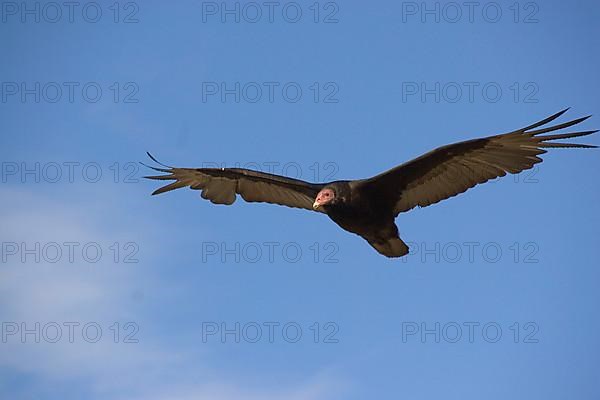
<point>368,207</point>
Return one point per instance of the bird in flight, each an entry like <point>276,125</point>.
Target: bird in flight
<point>368,207</point>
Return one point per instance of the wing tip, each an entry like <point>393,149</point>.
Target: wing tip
<point>545,120</point>
<point>168,167</point>
<point>169,187</point>
<point>568,145</point>
<point>529,132</point>
<point>169,176</point>
<point>156,161</point>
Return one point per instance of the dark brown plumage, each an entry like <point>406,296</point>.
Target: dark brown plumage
<point>368,207</point>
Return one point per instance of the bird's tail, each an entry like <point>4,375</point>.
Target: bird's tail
<point>391,247</point>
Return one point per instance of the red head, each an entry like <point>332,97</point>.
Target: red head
<point>324,197</point>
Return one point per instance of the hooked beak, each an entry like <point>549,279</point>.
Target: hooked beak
<point>316,205</point>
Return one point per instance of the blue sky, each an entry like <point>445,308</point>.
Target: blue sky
<point>364,88</point>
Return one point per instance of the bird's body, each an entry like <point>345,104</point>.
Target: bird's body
<point>363,215</point>
<point>368,207</point>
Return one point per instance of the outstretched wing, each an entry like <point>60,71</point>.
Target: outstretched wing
<point>220,185</point>
<point>452,169</point>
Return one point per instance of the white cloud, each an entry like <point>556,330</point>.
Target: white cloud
<point>155,368</point>
<point>320,386</point>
